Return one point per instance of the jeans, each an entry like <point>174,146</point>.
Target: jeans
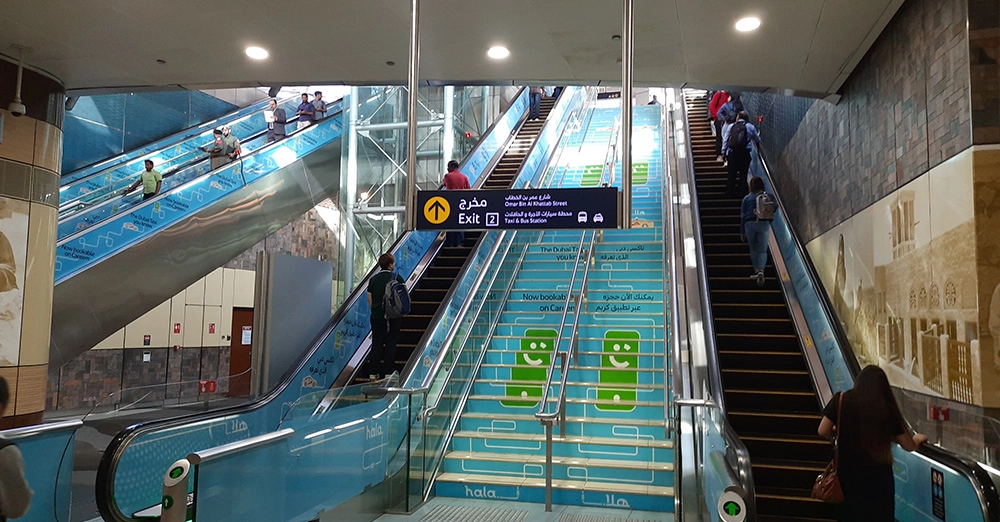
<point>536,105</point>
<point>718,137</point>
<point>739,164</point>
<point>454,239</point>
<point>758,233</point>
<point>384,335</point>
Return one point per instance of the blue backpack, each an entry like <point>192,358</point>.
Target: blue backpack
<point>397,299</point>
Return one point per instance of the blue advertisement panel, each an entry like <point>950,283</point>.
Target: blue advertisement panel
<point>90,246</point>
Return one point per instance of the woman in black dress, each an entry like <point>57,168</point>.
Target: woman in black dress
<point>869,423</point>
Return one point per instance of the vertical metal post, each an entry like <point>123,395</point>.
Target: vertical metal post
<point>350,188</point>
<point>411,117</point>
<point>628,48</point>
<point>448,132</point>
<point>548,466</point>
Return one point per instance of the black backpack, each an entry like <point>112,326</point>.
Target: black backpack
<point>737,136</point>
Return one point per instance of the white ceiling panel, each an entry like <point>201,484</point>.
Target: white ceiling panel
<point>115,44</point>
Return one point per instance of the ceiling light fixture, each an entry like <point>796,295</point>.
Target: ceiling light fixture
<point>257,53</point>
<point>748,24</point>
<point>498,52</point>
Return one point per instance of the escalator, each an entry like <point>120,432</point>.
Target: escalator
<point>782,354</point>
<point>129,474</point>
<point>428,293</point>
<point>183,234</point>
<point>177,147</point>
<point>769,395</point>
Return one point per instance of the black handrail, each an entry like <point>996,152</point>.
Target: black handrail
<point>967,467</point>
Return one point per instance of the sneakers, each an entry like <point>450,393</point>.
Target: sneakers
<point>719,158</point>
<point>760,278</point>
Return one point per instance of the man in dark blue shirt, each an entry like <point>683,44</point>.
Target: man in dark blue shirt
<point>305,112</point>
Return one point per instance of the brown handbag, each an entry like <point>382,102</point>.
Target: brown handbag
<point>827,487</point>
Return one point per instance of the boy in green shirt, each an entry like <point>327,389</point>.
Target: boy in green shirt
<point>150,180</point>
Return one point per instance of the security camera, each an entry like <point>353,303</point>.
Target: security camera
<point>17,108</point>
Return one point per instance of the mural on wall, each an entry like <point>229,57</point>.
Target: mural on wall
<point>13,253</point>
<point>902,277</point>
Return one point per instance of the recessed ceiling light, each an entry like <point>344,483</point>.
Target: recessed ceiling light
<point>748,24</point>
<point>498,52</point>
<point>257,53</point>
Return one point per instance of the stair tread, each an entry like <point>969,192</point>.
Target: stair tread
<point>569,418</point>
<point>627,386</point>
<point>536,482</point>
<point>575,461</point>
<point>569,439</point>
<point>570,400</point>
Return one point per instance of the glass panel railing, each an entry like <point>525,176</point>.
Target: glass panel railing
<point>969,493</point>
<point>399,438</point>
<point>114,199</point>
<point>712,460</point>
<point>47,451</point>
<point>165,153</point>
<point>79,251</point>
<point>129,478</point>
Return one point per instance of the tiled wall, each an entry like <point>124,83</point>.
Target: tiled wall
<point>905,109</point>
<point>119,362</point>
<point>308,236</point>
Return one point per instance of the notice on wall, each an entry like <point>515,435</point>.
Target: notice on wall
<point>247,335</point>
<point>146,340</point>
<point>576,208</point>
<point>211,328</point>
<point>177,328</point>
<point>147,356</point>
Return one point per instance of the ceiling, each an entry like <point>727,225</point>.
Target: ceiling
<point>803,45</point>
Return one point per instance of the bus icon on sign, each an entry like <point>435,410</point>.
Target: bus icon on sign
<point>581,217</point>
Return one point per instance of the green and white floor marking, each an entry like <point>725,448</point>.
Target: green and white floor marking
<point>532,364</point>
<point>617,384</point>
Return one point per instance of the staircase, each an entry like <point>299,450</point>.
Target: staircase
<point>615,453</point>
<point>429,292</point>
<point>769,395</point>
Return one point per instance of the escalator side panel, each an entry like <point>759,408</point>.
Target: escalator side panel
<point>108,295</point>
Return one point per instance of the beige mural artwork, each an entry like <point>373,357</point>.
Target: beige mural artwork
<point>902,277</point>
<point>13,253</point>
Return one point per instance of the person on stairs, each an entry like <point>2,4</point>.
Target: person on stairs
<point>755,226</point>
<point>455,180</point>
<point>385,331</point>
<point>719,99</point>
<point>535,102</point>
<point>737,139</point>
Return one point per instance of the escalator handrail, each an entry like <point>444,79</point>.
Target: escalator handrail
<point>173,139</point>
<point>113,454</point>
<point>151,201</point>
<point>987,492</point>
<point>174,169</point>
<point>742,453</point>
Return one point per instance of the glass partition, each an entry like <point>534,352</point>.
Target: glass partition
<point>131,471</point>
<point>47,451</point>
<point>358,442</point>
<point>81,186</point>
<point>712,459</point>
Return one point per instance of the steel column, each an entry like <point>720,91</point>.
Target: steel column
<point>628,48</point>
<point>411,117</point>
